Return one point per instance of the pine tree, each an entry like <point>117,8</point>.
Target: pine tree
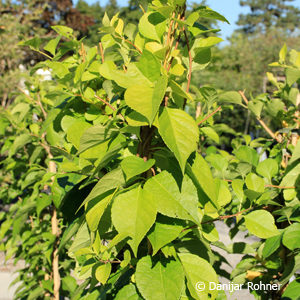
<point>267,14</point>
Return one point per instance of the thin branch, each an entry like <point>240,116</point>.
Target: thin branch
<point>280,187</point>
<point>271,185</point>
<point>262,123</point>
<point>37,101</point>
<point>110,261</point>
<point>153,171</point>
<point>43,53</point>
<point>105,102</point>
<point>132,44</point>
<point>41,106</point>
<point>166,100</point>
<point>190,61</point>
<point>210,115</point>
<point>169,38</point>
<point>101,52</point>
<point>142,8</point>
<point>82,52</point>
<point>110,106</point>
<point>181,18</point>
<point>220,218</point>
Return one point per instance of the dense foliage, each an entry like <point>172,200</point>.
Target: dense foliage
<point>115,177</point>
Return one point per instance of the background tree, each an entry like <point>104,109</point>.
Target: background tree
<point>21,20</point>
<point>243,63</point>
<point>267,14</point>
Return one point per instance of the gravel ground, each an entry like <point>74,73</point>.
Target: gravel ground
<point>7,275</point>
<point>7,270</point>
<point>233,259</point>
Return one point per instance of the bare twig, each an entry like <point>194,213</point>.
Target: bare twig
<point>220,218</point>
<point>110,106</point>
<point>190,61</point>
<point>262,123</point>
<point>37,101</point>
<point>41,106</point>
<point>142,8</point>
<point>105,102</point>
<point>168,39</point>
<point>101,52</point>
<point>210,115</point>
<point>110,261</point>
<point>166,100</point>
<point>280,187</point>
<point>271,185</point>
<point>132,44</point>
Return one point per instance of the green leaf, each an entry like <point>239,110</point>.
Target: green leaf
<point>148,29</point>
<point>58,68</point>
<point>133,213</point>
<point>102,273</point>
<point>210,132</point>
<point>271,245</point>
<point>255,183</point>
<point>133,165</point>
<point>81,240</point>
<point>247,154</point>
<point>296,153</point>
<point>218,161</point>
<point>261,223</point>
<point>33,43</point>
<point>69,233</point>
<point>95,210</point>
<point>64,31</point>
<point>283,53</point>
<point>208,13</point>
<point>237,186</point>
<point>291,236</point>
<point>19,142</point>
<point>223,192</point>
<point>292,75</point>
<point>35,293</point>
<point>79,71</point>
<point>149,65</point>
<point>203,176</point>
<point>291,176</point>
<point>51,45</point>
<point>267,168</point>
<point>162,280</point>
<point>133,76</point>
<point>145,99</point>
<point>128,292</point>
<point>164,231</point>
<point>94,136</point>
<point>207,42</point>
<point>230,97</point>
<point>69,283</point>
<point>198,271</point>
<point>108,182</point>
<point>42,202</point>
<point>75,131</point>
<point>256,107</point>
<point>180,133</point>
<point>177,70</point>
<point>165,193</point>
<point>177,89</point>
<point>292,291</point>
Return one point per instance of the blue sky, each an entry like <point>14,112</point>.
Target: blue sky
<point>229,8</point>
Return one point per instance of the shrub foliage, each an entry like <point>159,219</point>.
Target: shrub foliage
<point>114,178</point>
